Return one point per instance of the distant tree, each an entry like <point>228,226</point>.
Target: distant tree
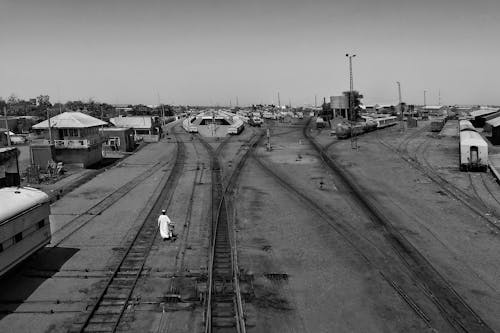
<point>75,105</point>
<point>12,99</point>
<point>43,101</point>
<point>355,98</point>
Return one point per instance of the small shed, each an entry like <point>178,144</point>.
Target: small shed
<point>118,139</point>
<point>145,127</point>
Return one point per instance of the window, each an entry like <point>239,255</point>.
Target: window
<point>41,224</point>
<point>18,237</point>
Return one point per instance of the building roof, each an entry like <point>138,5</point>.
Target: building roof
<point>433,107</point>
<point>495,122</point>
<point>133,122</point>
<point>482,112</point>
<point>115,129</point>
<point>71,120</point>
<point>6,153</point>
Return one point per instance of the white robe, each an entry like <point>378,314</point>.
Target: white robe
<point>164,224</point>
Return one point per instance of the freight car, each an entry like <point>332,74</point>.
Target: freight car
<point>437,124</point>
<point>466,125</point>
<point>345,130</point>
<point>24,224</point>
<point>473,151</point>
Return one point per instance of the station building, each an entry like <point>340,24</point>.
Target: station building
<point>70,137</point>
<point>146,128</point>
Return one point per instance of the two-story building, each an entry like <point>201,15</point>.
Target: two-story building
<point>74,136</point>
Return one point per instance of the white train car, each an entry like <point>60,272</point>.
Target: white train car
<point>188,126</point>
<point>385,121</point>
<point>237,126</point>
<point>24,224</point>
<point>465,125</point>
<point>473,151</point>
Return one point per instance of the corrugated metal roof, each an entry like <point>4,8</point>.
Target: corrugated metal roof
<point>133,122</point>
<point>482,112</point>
<point>495,122</point>
<point>71,120</point>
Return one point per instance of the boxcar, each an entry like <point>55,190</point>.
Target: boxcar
<point>24,224</point>
<point>473,151</point>
<point>465,125</point>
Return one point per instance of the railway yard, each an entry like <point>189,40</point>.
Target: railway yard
<point>316,234</point>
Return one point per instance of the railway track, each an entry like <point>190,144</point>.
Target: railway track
<point>366,248</point>
<point>106,312</point>
<point>78,222</point>
<point>224,305</point>
<point>421,163</point>
<point>451,305</point>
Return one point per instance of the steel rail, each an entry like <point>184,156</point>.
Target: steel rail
<point>178,165</point>
<point>452,306</point>
<point>216,218</point>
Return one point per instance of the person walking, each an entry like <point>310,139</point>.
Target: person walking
<point>164,224</point>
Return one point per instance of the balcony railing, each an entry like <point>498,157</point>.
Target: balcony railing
<point>69,144</point>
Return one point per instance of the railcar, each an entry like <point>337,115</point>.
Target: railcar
<point>466,125</point>
<point>188,126</point>
<point>24,224</point>
<point>236,128</point>
<point>345,130</point>
<point>473,151</point>
<point>437,124</point>
<point>386,121</point>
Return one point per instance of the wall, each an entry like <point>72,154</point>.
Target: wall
<point>41,154</point>
<point>81,157</point>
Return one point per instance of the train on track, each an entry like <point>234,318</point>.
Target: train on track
<point>24,224</point>
<point>473,148</point>
<point>371,123</point>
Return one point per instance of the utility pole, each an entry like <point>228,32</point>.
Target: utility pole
<point>439,100</point>
<point>50,128</point>
<point>162,110</point>
<point>401,107</point>
<point>279,102</point>
<point>315,101</point>
<point>6,126</point>
<point>354,143</point>
<point>237,101</point>
<point>425,91</point>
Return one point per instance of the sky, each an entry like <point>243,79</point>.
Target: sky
<point>212,52</point>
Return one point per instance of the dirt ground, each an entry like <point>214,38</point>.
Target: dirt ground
<point>460,243</point>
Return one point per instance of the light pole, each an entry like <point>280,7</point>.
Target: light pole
<point>351,116</point>
<point>401,106</point>
<point>425,91</point>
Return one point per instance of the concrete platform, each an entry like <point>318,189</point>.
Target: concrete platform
<point>212,131</point>
<point>450,129</point>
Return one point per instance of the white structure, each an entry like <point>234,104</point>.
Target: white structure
<point>24,224</point>
<point>145,127</point>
